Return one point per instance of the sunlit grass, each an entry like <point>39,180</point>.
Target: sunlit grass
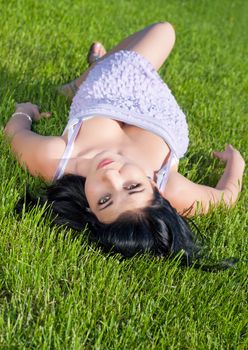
<point>58,292</point>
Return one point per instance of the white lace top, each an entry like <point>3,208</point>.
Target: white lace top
<point>126,87</point>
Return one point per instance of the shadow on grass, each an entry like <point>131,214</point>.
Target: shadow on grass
<point>16,88</point>
<point>200,167</point>
<point>44,94</point>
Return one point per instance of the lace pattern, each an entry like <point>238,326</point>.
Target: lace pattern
<point>126,87</point>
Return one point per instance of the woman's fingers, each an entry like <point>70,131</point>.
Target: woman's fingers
<point>215,153</point>
<point>40,114</point>
<point>33,110</point>
<point>228,153</point>
<point>218,154</point>
<point>45,114</point>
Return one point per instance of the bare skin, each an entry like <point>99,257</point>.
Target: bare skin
<point>96,51</point>
<point>122,185</point>
<point>134,152</point>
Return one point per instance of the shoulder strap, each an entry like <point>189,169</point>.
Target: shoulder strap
<point>72,134</point>
<point>163,174</point>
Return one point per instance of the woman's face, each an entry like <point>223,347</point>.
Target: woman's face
<point>114,184</point>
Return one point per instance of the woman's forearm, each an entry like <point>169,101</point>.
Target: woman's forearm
<point>231,180</point>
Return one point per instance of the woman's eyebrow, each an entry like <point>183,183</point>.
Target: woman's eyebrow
<point>136,191</point>
<point>111,202</point>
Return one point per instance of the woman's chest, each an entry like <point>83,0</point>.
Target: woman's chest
<point>150,147</point>
<point>100,133</point>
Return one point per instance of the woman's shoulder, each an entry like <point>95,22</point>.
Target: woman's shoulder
<point>47,157</point>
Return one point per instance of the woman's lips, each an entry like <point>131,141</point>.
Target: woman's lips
<point>103,163</point>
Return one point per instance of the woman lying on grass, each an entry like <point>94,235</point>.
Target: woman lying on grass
<point>116,165</point>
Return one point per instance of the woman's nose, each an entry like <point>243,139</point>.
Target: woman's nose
<point>114,178</point>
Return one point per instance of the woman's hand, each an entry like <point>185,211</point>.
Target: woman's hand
<point>189,198</point>
<point>229,153</point>
<point>32,110</point>
<point>230,182</point>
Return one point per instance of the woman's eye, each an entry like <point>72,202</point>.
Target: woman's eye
<point>104,199</point>
<point>132,186</point>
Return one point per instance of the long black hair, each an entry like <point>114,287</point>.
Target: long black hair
<point>156,229</point>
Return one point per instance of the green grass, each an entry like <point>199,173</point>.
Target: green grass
<point>57,292</point>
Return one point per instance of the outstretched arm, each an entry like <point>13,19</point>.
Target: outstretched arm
<point>189,198</point>
<point>38,153</point>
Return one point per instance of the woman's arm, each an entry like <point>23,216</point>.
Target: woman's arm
<point>189,198</point>
<point>38,153</point>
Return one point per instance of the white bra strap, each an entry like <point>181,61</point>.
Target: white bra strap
<point>72,134</point>
<point>163,174</point>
